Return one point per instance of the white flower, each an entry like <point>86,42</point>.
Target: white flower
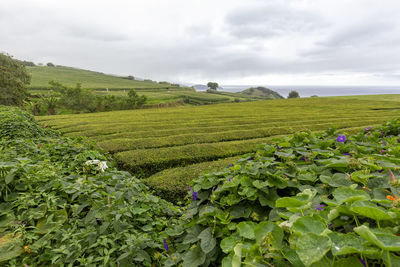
<point>101,165</point>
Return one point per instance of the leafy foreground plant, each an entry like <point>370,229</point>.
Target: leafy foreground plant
<point>61,205</point>
<point>309,200</point>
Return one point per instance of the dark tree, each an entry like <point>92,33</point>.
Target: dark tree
<point>212,85</point>
<point>50,64</point>
<point>13,81</point>
<point>293,94</point>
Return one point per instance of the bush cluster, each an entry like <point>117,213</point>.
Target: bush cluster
<point>307,200</point>
<point>62,203</point>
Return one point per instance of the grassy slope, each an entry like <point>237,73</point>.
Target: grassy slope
<point>148,141</point>
<point>156,93</point>
<point>89,79</point>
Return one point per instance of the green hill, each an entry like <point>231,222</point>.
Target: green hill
<point>41,75</point>
<point>262,92</point>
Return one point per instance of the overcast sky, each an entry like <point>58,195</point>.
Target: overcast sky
<point>340,42</point>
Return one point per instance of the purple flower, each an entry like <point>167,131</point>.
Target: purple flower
<point>398,140</point>
<point>380,171</point>
<point>214,187</point>
<point>330,224</point>
<point>346,154</point>
<point>341,138</point>
<point>165,244</point>
<point>190,189</point>
<point>363,262</point>
<point>194,195</point>
<point>367,128</point>
<point>303,158</point>
<point>383,151</point>
<point>230,179</point>
<point>230,165</point>
<point>278,147</point>
<point>320,207</point>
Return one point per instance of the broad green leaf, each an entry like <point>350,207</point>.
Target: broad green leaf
<point>390,259</point>
<point>346,194</point>
<point>195,257</point>
<point>384,241</point>
<point>246,229</point>
<point>237,257</point>
<point>292,257</point>
<point>45,225</point>
<point>311,247</point>
<point>371,210</point>
<point>208,242</point>
<point>298,203</point>
<point>269,232</point>
<point>10,247</point>
<point>343,244</point>
<point>347,262</point>
<point>307,224</point>
<point>227,244</point>
<point>10,176</point>
<point>192,235</point>
<point>336,180</point>
<point>307,177</point>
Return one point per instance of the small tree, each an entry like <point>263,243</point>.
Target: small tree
<point>212,85</point>
<point>13,81</point>
<point>50,64</point>
<point>293,94</point>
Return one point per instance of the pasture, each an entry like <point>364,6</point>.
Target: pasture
<point>162,146</point>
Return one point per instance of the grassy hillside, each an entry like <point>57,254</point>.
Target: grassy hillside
<point>150,141</point>
<point>262,92</point>
<point>89,79</point>
<point>156,93</point>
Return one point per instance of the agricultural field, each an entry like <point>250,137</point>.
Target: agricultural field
<point>306,199</point>
<point>162,146</point>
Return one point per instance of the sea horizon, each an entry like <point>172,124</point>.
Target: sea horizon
<point>322,90</point>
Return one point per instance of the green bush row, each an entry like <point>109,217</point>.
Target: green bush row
<point>107,129</point>
<point>173,184</point>
<point>146,162</point>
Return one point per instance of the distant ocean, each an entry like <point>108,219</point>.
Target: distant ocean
<point>321,90</point>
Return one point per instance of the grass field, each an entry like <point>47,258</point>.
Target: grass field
<point>156,93</point>
<point>89,79</point>
<point>169,147</point>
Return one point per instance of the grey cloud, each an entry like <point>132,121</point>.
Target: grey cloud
<point>92,32</point>
<point>367,33</point>
<point>268,20</point>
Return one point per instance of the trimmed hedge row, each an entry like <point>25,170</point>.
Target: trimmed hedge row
<point>146,162</point>
<point>123,144</point>
<point>173,183</point>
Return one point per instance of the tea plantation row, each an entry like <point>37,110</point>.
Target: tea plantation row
<point>149,141</point>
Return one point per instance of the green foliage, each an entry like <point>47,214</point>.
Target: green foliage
<point>13,81</point>
<point>293,94</point>
<point>18,124</point>
<point>306,200</point>
<point>50,64</point>
<point>61,205</point>
<point>173,183</point>
<point>212,85</point>
<point>262,92</point>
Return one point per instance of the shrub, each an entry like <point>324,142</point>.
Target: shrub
<point>293,94</point>
<point>61,205</point>
<point>13,81</point>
